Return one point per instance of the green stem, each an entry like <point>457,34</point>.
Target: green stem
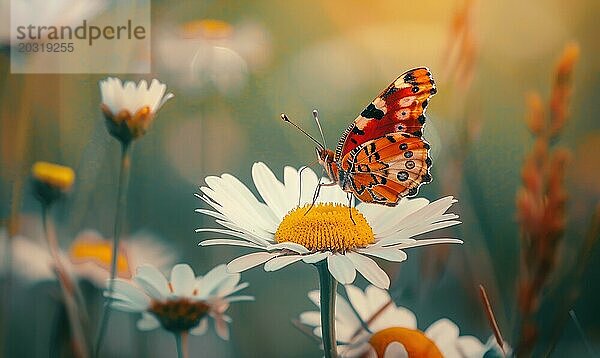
<point>181,342</point>
<point>119,214</point>
<point>67,287</point>
<point>327,286</point>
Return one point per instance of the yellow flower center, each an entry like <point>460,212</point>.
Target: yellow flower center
<point>54,175</point>
<point>100,253</point>
<point>207,28</point>
<point>414,341</point>
<point>325,227</point>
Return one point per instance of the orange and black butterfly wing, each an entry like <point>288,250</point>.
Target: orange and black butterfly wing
<point>385,169</point>
<point>398,108</point>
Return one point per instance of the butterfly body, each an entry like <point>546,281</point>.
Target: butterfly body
<point>382,156</point>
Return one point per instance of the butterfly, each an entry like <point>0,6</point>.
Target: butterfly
<point>382,157</point>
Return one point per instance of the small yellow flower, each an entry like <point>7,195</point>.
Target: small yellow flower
<point>51,180</point>
<point>54,175</point>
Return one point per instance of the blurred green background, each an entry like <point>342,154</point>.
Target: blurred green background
<point>263,57</point>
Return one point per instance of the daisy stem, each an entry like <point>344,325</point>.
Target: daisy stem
<point>67,286</point>
<point>182,346</point>
<point>328,291</point>
<point>119,214</point>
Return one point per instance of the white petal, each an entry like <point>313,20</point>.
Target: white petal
<point>152,280</point>
<point>236,231</point>
<point>134,294</point>
<point>230,242</point>
<point>392,315</point>
<point>271,190</point>
<point>147,322</point>
<point>290,246</point>
<point>426,242</point>
<point>418,219</point>
<point>239,205</point>
<point>264,240</point>
<point>214,280</point>
<point>347,322</point>
<point>422,229</point>
<point>386,253</point>
<point>239,298</point>
<point>383,220</point>
<point>126,306</point>
<point>360,303</point>
<point>395,350</point>
<point>315,257</point>
<point>281,262</point>
<point>201,328</point>
<point>292,186</point>
<point>249,261</point>
<point>332,194</point>
<point>311,318</point>
<point>341,268</point>
<point>214,214</point>
<point>269,221</point>
<point>221,328</point>
<point>183,280</point>
<point>371,353</point>
<point>443,333</point>
<point>370,270</point>
<point>313,296</point>
<point>470,346</point>
<point>360,349</point>
<point>225,290</point>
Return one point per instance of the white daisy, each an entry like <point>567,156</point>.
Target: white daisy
<point>88,257</point>
<point>371,325</point>
<point>285,233</point>
<point>129,109</point>
<point>181,304</point>
<point>49,13</point>
<point>210,53</point>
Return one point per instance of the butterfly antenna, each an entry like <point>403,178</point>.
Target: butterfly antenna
<point>316,116</point>
<point>285,118</point>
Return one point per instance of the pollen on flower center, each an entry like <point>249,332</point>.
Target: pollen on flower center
<point>179,315</point>
<point>416,343</point>
<point>325,227</point>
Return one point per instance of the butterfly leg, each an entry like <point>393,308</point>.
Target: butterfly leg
<point>350,207</point>
<point>300,179</point>
<point>316,194</point>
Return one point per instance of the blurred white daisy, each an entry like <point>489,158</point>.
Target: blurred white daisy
<point>181,304</point>
<point>130,109</point>
<point>88,257</point>
<point>211,53</point>
<point>286,233</point>
<point>48,13</point>
<point>371,325</point>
